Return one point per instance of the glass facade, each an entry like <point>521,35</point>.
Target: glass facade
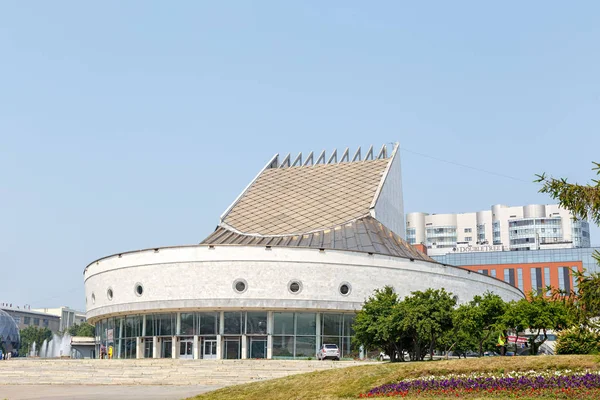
<point>496,233</point>
<point>238,334</point>
<point>529,233</point>
<point>411,235</point>
<point>441,236</point>
<point>523,257</point>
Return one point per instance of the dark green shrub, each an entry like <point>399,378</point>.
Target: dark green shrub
<point>578,340</point>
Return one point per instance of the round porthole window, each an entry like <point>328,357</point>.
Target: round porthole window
<point>295,287</point>
<point>138,289</point>
<point>240,285</point>
<point>345,289</point>
<point>93,298</point>
<point>109,294</point>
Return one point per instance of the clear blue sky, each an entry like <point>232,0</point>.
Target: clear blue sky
<point>127,125</point>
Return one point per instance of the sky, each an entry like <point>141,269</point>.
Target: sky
<point>129,125</point>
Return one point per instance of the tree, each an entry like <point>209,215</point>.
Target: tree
<point>427,316</point>
<point>374,325</point>
<point>543,314</point>
<point>514,319</point>
<point>487,311</point>
<point>538,314</point>
<point>460,339</point>
<point>33,334</point>
<point>84,329</point>
<point>582,200</point>
<point>584,203</point>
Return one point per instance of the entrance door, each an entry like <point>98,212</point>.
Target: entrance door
<point>232,348</point>
<point>148,348</point>
<point>186,346</point>
<point>166,348</point>
<point>258,347</point>
<point>209,349</point>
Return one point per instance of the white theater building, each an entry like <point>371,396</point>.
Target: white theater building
<point>291,261</point>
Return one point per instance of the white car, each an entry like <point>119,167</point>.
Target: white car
<point>329,351</point>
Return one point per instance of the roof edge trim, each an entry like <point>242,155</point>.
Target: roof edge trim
<point>272,161</point>
<point>383,178</point>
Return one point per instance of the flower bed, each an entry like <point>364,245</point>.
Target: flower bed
<point>550,384</point>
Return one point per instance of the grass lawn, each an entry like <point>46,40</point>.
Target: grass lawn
<point>350,382</point>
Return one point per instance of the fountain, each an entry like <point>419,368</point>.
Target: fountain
<point>32,350</point>
<point>58,346</point>
<point>44,348</point>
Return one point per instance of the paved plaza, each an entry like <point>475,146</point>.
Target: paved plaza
<point>140,379</point>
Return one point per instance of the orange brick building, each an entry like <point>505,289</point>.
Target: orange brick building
<point>531,270</point>
<point>533,276</point>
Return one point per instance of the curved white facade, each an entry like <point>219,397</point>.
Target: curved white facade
<point>185,285</point>
<point>202,277</point>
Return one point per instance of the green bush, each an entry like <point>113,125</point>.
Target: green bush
<point>578,340</point>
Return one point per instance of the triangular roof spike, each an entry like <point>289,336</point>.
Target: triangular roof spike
<point>346,155</point>
<point>369,155</point>
<point>285,162</point>
<point>321,159</point>
<point>274,162</point>
<point>333,157</point>
<point>298,160</point>
<point>309,159</point>
<point>382,152</point>
<point>356,155</point>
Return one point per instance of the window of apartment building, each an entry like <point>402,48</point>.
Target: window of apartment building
<point>547,279</point>
<point>534,280</point>
<point>574,279</point>
<point>468,238</point>
<point>564,279</point>
<point>46,323</point>
<point>17,320</point>
<point>509,276</point>
<point>520,278</point>
<point>493,273</point>
<point>27,320</point>
<point>36,321</point>
<point>467,230</point>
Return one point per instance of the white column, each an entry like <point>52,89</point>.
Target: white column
<point>178,324</point>
<point>221,323</point>
<point>219,347</point>
<point>196,350</point>
<point>244,347</point>
<point>219,337</point>
<point>318,337</point>
<point>155,347</point>
<point>121,321</point>
<point>174,347</point>
<point>143,325</point>
<point>270,335</point>
<point>139,352</point>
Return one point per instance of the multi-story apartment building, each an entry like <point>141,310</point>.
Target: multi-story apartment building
<point>502,228</point>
